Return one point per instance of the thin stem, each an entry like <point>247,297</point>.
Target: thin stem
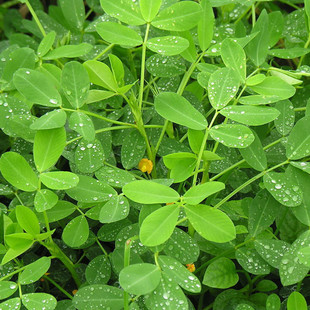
<point>302,57</point>
<point>202,147</point>
<point>99,131</point>
<point>101,117</point>
<point>238,189</point>
<point>58,286</point>
<point>8,4</point>
<point>47,224</point>
<point>101,247</point>
<point>253,15</point>
<point>127,263</point>
<point>142,75</point>
<point>243,161</point>
<point>104,51</point>
<point>35,17</point>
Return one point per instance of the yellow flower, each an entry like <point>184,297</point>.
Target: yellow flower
<point>74,292</point>
<point>191,267</point>
<point>146,165</point>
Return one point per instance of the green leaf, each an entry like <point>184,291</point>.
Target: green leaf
<point>255,79</point>
<point>34,301</point>
<point>48,147</point>
<point>75,83</point>
<point>69,51</point>
<point>98,270</point>
<point>159,225</point>
<point>95,95</point>
<point>89,157</point>
<point>179,274</point>
<point>178,244</point>
<point>257,48</point>
<point>205,25</point>
<point>168,45</point>
<point>274,86</point>
<point>116,209</point>
<point>13,303</point>
<point>119,34</point>
<point>20,58</point>
<point>262,212</point>
<point>82,124</point>
<point>273,302</point>
<point>177,109</point>
<point>50,120</point>
<point>34,271</point>
<point>59,180</point>
<point>45,200</point>
<point>233,135</point>
<point>180,16</point>
<point>165,66</point>
<point>271,251</point>
<point>46,44</point>
<point>200,192</point>
<point>139,279</point>
<point>149,9</point>
<point>266,286</point>
<point>37,87</point>
<point>296,301</point>
<point>221,274</point>
<point>222,87</point>
<point>100,74</point>
<point>126,11</point>
<point>60,211</point>
<point>195,139</point>
<point>27,220</point>
<point>259,99</point>
<point>210,223</point>
<point>114,176</point>
<point>74,12</point>
<point>298,143</point>
<point>92,297</point>
<point>275,25</point>
<point>181,164</point>
<point>7,288</point>
<point>167,290</point>
<point>117,69</point>
<point>133,149</point>
<point>285,121</point>
<point>149,192</point>
<point>251,115</point>
<point>25,244</point>
<point>234,57</point>
<point>289,53</point>
<point>18,172</point>
<point>76,232</point>
<point>283,189</point>
<point>254,154</point>
<point>251,261</point>
<point>304,256</point>
<point>91,190</point>
<point>291,269</point>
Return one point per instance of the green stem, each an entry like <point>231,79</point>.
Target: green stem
<point>47,224</point>
<point>58,286</point>
<point>253,15</point>
<point>302,57</point>
<point>35,17</point>
<point>127,263</point>
<point>58,253</point>
<point>202,147</point>
<point>8,4</point>
<point>104,51</point>
<point>101,117</point>
<point>101,130</point>
<point>243,161</point>
<point>238,189</point>
<point>101,247</point>
<point>142,75</point>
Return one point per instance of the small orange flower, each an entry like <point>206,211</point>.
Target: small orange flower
<point>146,165</point>
<point>74,292</point>
<point>191,267</point>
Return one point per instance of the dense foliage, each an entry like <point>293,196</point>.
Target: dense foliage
<point>155,155</point>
